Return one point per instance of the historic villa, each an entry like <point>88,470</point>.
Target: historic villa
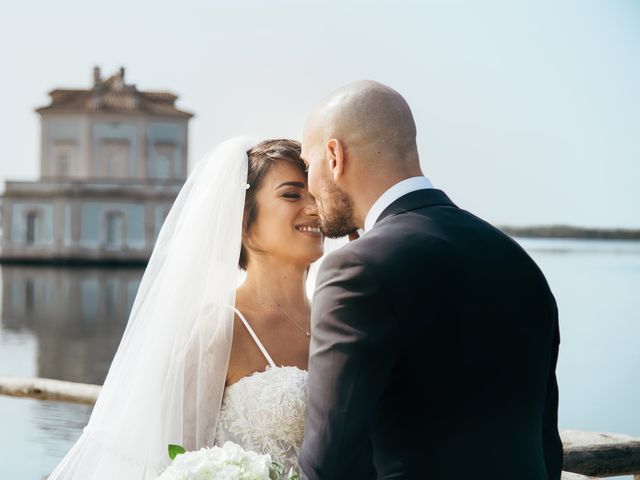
<point>113,159</point>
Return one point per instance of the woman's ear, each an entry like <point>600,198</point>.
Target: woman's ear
<point>335,155</point>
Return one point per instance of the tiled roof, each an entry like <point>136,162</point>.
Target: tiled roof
<point>113,95</point>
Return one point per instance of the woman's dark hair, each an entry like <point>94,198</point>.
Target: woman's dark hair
<point>262,158</point>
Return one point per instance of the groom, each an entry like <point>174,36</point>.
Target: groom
<point>435,336</point>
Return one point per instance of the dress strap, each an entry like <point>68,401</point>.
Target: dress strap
<point>255,337</point>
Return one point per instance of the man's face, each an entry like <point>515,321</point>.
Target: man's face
<point>335,206</point>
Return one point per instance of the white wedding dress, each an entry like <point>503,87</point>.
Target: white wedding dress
<point>264,412</point>
<point>166,384</point>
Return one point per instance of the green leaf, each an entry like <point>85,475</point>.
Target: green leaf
<point>175,450</point>
<point>276,470</point>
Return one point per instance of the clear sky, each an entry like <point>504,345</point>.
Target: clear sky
<point>528,112</point>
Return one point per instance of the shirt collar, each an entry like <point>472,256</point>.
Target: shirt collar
<point>391,195</point>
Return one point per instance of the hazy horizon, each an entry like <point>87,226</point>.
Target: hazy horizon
<point>527,113</point>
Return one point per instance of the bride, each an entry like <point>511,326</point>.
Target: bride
<point>202,362</point>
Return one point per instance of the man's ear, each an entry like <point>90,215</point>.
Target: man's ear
<point>335,156</point>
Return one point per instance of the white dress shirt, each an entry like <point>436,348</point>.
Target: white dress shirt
<point>391,195</point>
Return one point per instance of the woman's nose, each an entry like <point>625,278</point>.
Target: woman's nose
<point>311,208</point>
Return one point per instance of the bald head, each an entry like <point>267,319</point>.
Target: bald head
<point>370,119</point>
<point>357,144</point>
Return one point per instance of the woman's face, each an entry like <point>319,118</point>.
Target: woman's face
<point>287,224</point>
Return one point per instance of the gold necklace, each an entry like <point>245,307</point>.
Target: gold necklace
<point>304,330</point>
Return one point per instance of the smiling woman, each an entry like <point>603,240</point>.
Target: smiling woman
<point>277,181</point>
<point>281,237</point>
<point>265,396</point>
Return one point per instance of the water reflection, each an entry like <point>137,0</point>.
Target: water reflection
<point>77,316</point>
<point>58,425</point>
<point>62,323</point>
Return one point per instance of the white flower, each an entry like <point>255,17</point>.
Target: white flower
<point>229,462</point>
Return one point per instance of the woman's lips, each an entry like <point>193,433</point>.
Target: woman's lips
<point>310,230</point>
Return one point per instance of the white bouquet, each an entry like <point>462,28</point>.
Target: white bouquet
<point>229,462</point>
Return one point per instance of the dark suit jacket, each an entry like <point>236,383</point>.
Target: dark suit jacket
<point>433,354</point>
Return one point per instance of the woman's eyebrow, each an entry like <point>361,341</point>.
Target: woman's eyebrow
<point>291,184</point>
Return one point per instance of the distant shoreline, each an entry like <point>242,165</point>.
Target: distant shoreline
<point>565,231</point>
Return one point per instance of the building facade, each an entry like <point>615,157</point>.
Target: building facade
<point>113,160</point>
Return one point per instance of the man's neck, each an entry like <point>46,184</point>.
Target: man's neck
<point>367,197</point>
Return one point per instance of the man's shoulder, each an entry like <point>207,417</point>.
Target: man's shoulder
<point>430,231</point>
<point>345,256</point>
<point>375,248</point>
<point>398,232</point>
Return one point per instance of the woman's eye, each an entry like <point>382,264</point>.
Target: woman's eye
<point>292,195</point>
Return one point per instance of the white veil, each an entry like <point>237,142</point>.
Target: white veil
<point>166,380</point>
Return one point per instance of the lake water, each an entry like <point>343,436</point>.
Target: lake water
<point>66,324</point>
